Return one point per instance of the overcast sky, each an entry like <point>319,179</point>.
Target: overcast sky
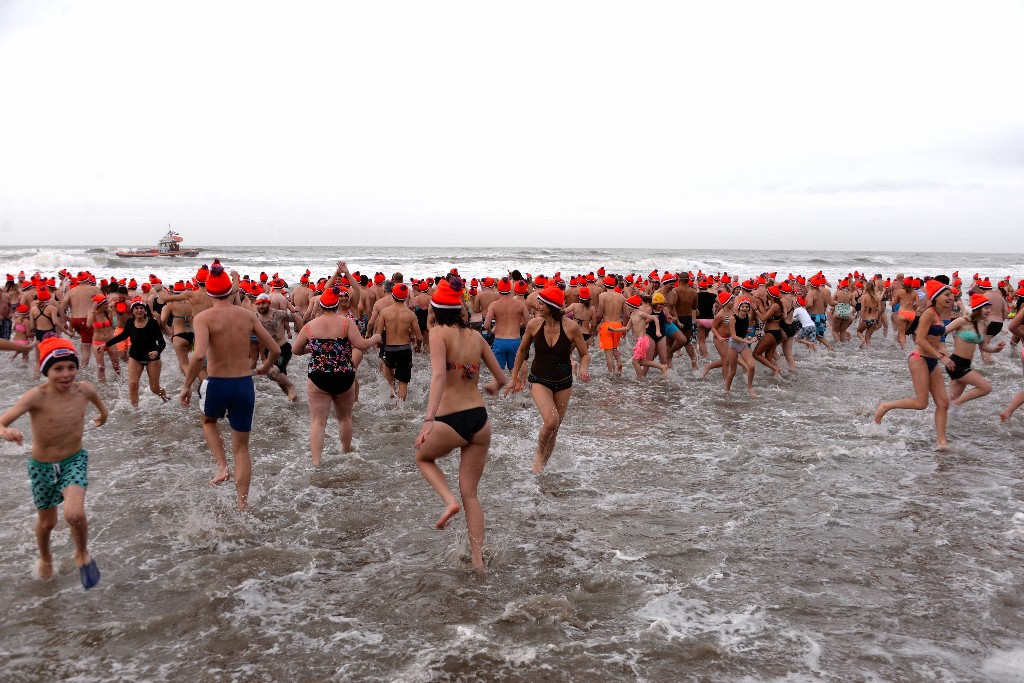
<point>864,125</point>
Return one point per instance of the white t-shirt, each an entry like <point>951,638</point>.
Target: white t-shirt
<point>801,315</point>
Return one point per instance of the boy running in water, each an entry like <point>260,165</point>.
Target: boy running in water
<point>58,468</point>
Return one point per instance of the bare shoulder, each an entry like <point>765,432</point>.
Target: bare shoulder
<point>87,389</point>
<point>202,316</point>
<point>246,316</point>
<point>234,314</point>
<point>33,396</point>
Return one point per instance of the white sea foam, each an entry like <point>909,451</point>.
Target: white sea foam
<point>1005,666</point>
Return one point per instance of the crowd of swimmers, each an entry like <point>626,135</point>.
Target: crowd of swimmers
<point>525,329</point>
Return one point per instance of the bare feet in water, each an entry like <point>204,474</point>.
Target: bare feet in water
<point>220,477</point>
<point>44,569</point>
<point>449,512</point>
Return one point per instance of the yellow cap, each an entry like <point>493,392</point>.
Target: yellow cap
<point>658,298</point>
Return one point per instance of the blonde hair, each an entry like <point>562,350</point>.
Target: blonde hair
<point>869,289</point>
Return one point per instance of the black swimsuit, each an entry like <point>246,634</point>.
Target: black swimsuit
<point>552,366</point>
<point>742,325</point>
<point>652,332</point>
<point>41,334</point>
<point>705,305</point>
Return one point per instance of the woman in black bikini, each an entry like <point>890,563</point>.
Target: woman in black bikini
<point>45,317</point>
<point>969,334</point>
<point>456,417</point>
<point>924,361</point>
<point>330,339</point>
<point>178,316</point>
<point>551,371</point>
<point>870,314</point>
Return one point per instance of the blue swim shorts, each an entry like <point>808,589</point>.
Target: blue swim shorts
<point>820,321</point>
<point>49,479</point>
<point>233,396</point>
<point>505,350</point>
<point>670,329</point>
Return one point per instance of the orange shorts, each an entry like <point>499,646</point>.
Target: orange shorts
<point>610,340</point>
<point>122,345</point>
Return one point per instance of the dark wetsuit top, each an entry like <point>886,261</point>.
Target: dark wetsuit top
<point>705,305</point>
<point>652,333</point>
<point>552,363</point>
<point>742,325</point>
<point>144,339</point>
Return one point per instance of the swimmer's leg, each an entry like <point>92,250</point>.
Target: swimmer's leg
<point>343,411</point>
<point>74,515</point>
<point>282,381</point>
<point>215,442</point>
<point>45,522</point>
<point>101,367</point>
<point>243,467</point>
<point>471,469</point>
<point>552,409</point>
<point>439,443</point>
<point>1016,402</point>
<point>153,373</point>
<point>319,410</point>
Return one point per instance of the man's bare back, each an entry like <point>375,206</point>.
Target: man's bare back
<point>509,314</point>
<point>224,333</point>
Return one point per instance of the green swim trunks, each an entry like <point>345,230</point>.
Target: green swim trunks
<point>48,479</point>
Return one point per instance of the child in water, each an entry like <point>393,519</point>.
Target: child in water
<point>58,468</point>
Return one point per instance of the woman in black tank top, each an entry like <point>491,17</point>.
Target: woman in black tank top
<point>737,345</point>
<point>551,371</point>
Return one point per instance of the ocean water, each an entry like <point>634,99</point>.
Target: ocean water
<point>291,262</point>
<point>676,535</point>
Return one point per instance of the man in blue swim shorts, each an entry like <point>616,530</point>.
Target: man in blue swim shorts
<point>222,341</point>
<point>509,314</point>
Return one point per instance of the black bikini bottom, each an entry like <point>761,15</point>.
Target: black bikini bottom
<point>554,386</point>
<point>333,383</point>
<point>961,367</point>
<point>466,423</point>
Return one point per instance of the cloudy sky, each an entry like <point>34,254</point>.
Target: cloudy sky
<point>869,125</point>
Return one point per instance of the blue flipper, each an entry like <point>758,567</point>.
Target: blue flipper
<point>90,574</point>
